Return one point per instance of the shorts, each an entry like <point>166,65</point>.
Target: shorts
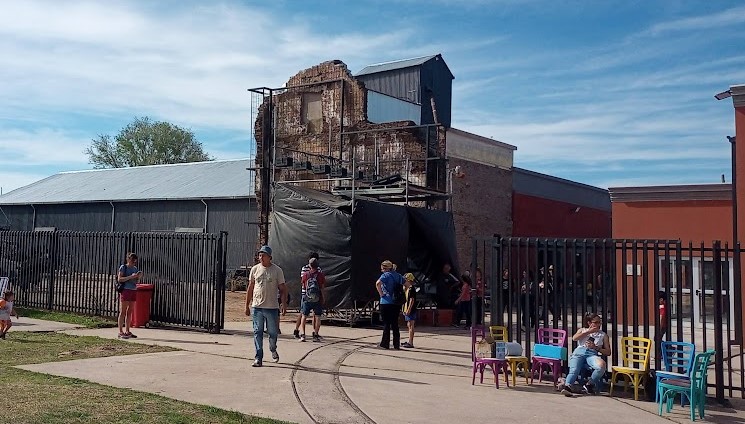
<point>306,307</point>
<point>128,295</point>
<point>410,317</point>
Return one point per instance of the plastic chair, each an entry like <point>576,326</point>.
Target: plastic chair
<point>479,364</point>
<point>553,337</point>
<point>635,359</point>
<point>676,356</point>
<point>499,334</point>
<point>694,388</point>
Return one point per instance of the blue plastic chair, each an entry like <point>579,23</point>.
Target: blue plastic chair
<point>694,388</point>
<point>677,360</point>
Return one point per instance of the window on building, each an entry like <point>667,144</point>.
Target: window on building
<point>312,113</point>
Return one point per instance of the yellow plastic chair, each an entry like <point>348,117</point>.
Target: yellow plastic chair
<point>499,334</point>
<point>635,352</point>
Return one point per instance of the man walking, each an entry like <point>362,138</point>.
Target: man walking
<point>264,280</point>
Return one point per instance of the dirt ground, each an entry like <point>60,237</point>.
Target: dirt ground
<point>235,306</point>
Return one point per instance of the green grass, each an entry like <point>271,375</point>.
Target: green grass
<point>41,398</point>
<point>82,320</point>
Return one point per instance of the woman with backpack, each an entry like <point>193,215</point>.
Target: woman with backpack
<point>390,289</point>
<point>313,282</point>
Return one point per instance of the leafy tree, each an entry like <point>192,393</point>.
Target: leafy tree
<point>146,142</point>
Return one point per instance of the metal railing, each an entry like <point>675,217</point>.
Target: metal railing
<point>534,282</point>
<point>76,272</point>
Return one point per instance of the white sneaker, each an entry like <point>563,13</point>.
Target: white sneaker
<point>257,363</point>
<point>302,337</point>
<point>275,357</point>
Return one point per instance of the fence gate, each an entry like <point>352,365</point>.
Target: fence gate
<point>554,282</point>
<point>76,272</point>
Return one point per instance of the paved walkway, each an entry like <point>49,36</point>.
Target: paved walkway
<point>346,379</point>
<point>39,326</point>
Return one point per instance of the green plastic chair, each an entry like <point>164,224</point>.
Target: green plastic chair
<point>693,389</point>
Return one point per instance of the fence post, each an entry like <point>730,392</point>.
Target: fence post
<point>474,261</point>
<point>718,324</point>
<point>53,238</point>
<point>220,283</point>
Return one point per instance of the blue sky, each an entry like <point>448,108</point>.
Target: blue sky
<point>605,93</point>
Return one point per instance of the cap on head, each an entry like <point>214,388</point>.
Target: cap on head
<point>387,265</point>
<point>313,262</point>
<point>266,249</point>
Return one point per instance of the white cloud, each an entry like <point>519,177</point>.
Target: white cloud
<point>733,16</point>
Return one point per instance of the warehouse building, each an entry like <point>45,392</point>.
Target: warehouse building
<point>197,197</point>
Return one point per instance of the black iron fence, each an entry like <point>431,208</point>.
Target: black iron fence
<point>76,272</point>
<point>534,283</point>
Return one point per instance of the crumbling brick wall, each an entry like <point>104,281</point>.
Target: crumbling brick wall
<point>382,151</point>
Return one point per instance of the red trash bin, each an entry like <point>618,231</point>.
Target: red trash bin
<point>141,315</point>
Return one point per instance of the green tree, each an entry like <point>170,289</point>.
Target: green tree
<point>146,142</point>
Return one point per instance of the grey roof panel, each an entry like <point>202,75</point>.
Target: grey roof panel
<point>396,64</point>
<point>549,187</point>
<point>198,180</point>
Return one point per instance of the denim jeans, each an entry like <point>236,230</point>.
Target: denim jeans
<point>582,357</point>
<point>270,317</point>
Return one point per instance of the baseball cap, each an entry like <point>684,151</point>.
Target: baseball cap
<point>266,249</point>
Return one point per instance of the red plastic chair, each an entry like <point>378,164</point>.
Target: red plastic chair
<point>480,364</point>
<point>548,336</point>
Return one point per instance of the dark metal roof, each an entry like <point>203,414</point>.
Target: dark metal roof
<point>396,64</point>
<point>554,188</point>
<point>223,179</point>
<point>671,193</point>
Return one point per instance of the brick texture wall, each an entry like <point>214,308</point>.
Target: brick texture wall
<point>482,206</point>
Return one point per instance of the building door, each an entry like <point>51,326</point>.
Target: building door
<point>703,285</point>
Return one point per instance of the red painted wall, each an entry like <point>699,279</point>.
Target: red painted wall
<point>538,217</point>
<point>690,221</point>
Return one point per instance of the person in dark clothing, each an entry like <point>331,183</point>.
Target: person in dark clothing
<point>447,285</point>
<point>389,311</point>
<point>528,291</point>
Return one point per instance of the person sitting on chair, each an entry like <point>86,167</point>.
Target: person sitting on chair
<point>592,342</point>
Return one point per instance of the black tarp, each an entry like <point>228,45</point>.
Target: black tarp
<point>351,247</point>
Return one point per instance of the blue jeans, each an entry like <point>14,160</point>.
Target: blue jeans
<point>582,357</point>
<point>270,317</point>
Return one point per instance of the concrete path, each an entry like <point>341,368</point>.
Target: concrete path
<point>346,379</point>
<point>39,326</point>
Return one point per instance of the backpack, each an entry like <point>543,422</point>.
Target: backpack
<point>399,297</point>
<point>120,286</point>
<point>312,288</point>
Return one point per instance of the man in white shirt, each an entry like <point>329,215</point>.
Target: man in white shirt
<point>264,280</point>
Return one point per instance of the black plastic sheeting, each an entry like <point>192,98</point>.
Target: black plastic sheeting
<point>351,247</point>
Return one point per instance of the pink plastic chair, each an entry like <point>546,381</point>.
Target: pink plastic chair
<point>480,364</point>
<point>548,336</point>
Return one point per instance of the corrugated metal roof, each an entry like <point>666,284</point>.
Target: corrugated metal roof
<point>197,180</point>
<point>396,64</point>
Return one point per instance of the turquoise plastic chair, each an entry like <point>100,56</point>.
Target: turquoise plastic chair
<point>694,388</point>
<point>677,360</point>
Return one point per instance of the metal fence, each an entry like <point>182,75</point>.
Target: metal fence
<point>555,282</point>
<point>76,272</point>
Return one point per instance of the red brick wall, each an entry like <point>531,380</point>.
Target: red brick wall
<point>538,217</point>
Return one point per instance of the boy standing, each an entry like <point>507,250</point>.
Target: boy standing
<point>313,283</point>
<point>306,268</point>
<point>409,308</point>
